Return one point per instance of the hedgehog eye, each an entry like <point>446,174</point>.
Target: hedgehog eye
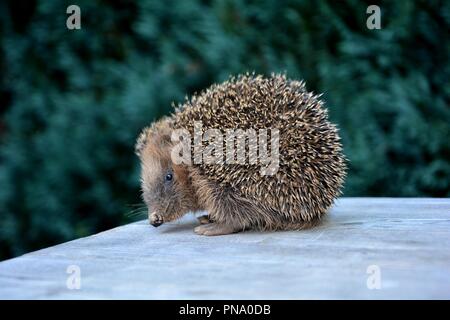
<point>169,177</point>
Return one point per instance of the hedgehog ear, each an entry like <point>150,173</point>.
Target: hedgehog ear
<point>166,138</point>
<point>141,141</point>
<point>164,128</point>
<point>160,132</point>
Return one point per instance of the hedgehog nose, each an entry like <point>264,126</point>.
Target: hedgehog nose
<point>155,219</point>
<point>156,223</point>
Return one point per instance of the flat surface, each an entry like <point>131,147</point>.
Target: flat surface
<point>402,245</point>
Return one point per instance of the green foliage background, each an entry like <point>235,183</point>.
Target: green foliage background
<point>73,102</point>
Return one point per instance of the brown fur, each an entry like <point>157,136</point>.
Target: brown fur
<point>247,201</point>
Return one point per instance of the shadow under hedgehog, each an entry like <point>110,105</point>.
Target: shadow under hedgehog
<point>237,196</point>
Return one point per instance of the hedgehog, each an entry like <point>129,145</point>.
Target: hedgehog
<point>204,157</point>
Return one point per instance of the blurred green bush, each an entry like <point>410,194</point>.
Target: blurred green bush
<point>72,102</point>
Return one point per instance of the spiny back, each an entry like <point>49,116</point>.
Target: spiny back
<point>311,164</point>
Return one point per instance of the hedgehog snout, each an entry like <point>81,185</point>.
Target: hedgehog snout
<point>155,219</point>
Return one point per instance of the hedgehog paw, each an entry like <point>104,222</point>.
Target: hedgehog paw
<point>204,219</point>
<point>214,229</point>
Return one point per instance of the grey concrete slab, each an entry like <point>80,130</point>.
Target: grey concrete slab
<point>401,244</point>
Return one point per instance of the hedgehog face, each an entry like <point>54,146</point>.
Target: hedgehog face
<point>165,186</point>
<point>162,190</point>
